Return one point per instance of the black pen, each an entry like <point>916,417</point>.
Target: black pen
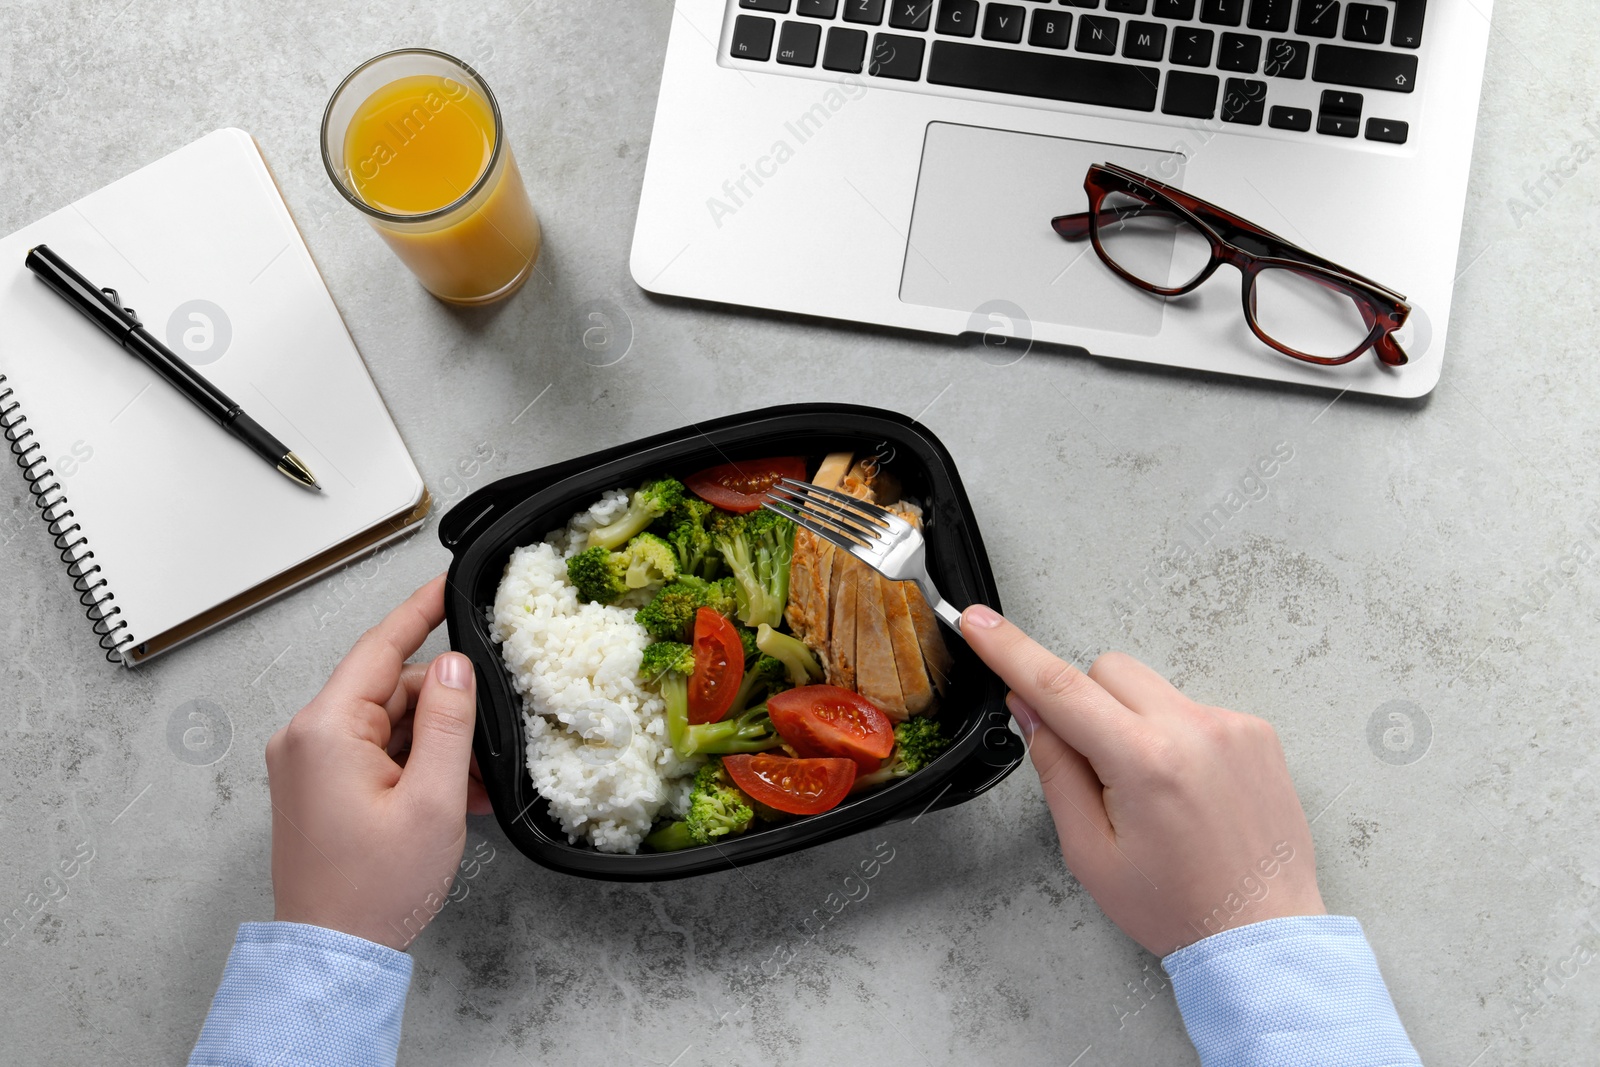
<point>103,307</point>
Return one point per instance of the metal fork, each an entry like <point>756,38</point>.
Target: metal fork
<point>881,539</point>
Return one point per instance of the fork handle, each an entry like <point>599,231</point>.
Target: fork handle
<point>941,607</point>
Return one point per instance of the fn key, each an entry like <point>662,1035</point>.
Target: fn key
<point>752,38</point>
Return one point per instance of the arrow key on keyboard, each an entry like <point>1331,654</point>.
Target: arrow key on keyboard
<point>1388,130</point>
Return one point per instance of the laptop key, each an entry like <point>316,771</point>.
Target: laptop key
<point>752,38</point>
<point>910,14</point>
<point>1174,9</point>
<point>894,56</point>
<point>1290,118</point>
<point>1243,101</point>
<point>1365,68</point>
<point>1269,15</point>
<point>845,51</point>
<point>1096,34</point>
<point>1145,40</point>
<point>816,9</point>
<point>1192,48</point>
<point>1003,22</point>
<point>1335,102</point>
<point>1286,59</point>
<point>1366,23</point>
<point>1081,3</point>
<point>868,11</point>
<point>1042,75</point>
<point>1222,12</point>
<point>1408,16</point>
<point>1051,29</point>
<point>1239,52</point>
<point>797,43</point>
<point>1191,95</point>
<point>1388,130</point>
<point>1338,125</point>
<point>780,6</point>
<point>1318,18</point>
<point>1127,7</point>
<point>958,18</point>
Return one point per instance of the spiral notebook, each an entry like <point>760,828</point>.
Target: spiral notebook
<point>166,526</point>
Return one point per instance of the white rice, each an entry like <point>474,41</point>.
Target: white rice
<point>597,739</point>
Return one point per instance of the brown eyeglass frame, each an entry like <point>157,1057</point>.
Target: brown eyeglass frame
<point>1383,309</point>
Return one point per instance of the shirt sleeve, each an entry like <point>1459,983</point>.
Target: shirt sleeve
<point>296,995</point>
<point>1299,990</point>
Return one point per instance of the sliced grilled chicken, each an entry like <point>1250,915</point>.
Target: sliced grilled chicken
<point>841,661</point>
<point>916,689</point>
<point>877,676</point>
<point>835,465</point>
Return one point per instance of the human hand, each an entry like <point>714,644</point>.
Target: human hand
<point>371,783</point>
<point>1179,819</point>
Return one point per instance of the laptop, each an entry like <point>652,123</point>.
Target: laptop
<point>898,162</point>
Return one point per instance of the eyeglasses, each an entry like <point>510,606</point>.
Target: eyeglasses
<point>1167,242</point>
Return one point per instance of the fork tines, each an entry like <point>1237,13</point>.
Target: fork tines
<point>851,526</point>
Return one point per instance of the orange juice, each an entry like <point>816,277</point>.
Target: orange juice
<point>419,155</point>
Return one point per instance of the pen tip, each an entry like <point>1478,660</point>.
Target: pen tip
<point>294,467</point>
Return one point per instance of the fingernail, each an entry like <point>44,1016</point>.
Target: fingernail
<point>454,671</point>
<point>981,615</point>
<point>1027,718</point>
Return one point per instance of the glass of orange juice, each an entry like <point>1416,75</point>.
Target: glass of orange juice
<point>414,139</point>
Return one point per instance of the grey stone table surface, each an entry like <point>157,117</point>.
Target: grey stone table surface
<point>1441,554</point>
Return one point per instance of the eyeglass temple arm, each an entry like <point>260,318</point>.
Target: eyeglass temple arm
<point>1075,227</point>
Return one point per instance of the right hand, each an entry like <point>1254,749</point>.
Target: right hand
<point>1179,819</point>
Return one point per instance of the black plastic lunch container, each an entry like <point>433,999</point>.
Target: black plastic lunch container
<point>484,529</point>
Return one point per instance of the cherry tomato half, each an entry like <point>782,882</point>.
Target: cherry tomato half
<point>718,667</point>
<point>825,720</point>
<point>797,786</point>
<point>740,487</point>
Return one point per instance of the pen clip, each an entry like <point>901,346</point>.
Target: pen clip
<point>132,316</point>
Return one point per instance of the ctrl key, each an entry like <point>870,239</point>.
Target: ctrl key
<point>752,38</point>
<point>797,44</point>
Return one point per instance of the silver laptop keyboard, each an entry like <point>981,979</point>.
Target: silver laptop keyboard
<point>1313,67</point>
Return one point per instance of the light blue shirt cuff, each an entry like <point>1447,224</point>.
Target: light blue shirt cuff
<point>295,995</point>
<point>1302,990</point>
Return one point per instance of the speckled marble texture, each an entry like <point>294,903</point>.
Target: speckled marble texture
<point>1408,552</point>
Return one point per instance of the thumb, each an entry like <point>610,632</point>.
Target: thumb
<point>441,735</point>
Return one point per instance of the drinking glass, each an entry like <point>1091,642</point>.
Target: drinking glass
<point>414,139</point>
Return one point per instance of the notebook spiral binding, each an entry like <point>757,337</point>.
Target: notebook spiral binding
<point>70,540</point>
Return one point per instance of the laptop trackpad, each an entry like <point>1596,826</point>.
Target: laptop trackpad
<point>980,228</point>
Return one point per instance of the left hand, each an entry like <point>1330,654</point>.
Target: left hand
<point>371,784</point>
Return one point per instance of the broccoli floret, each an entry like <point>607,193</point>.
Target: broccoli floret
<point>604,576</point>
<point>916,742</point>
<point>649,561</point>
<point>717,808</point>
<point>648,503</point>
<point>599,574</point>
<point>747,638</point>
<point>670,615</point>
<point>761,679</point>
<point>685,530</point>
<point>803,666</point>
<point>667,665</point>
<point>721,598</point>
<point>757,549</point>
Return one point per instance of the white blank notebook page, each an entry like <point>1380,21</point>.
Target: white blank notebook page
<point>179,514</point>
